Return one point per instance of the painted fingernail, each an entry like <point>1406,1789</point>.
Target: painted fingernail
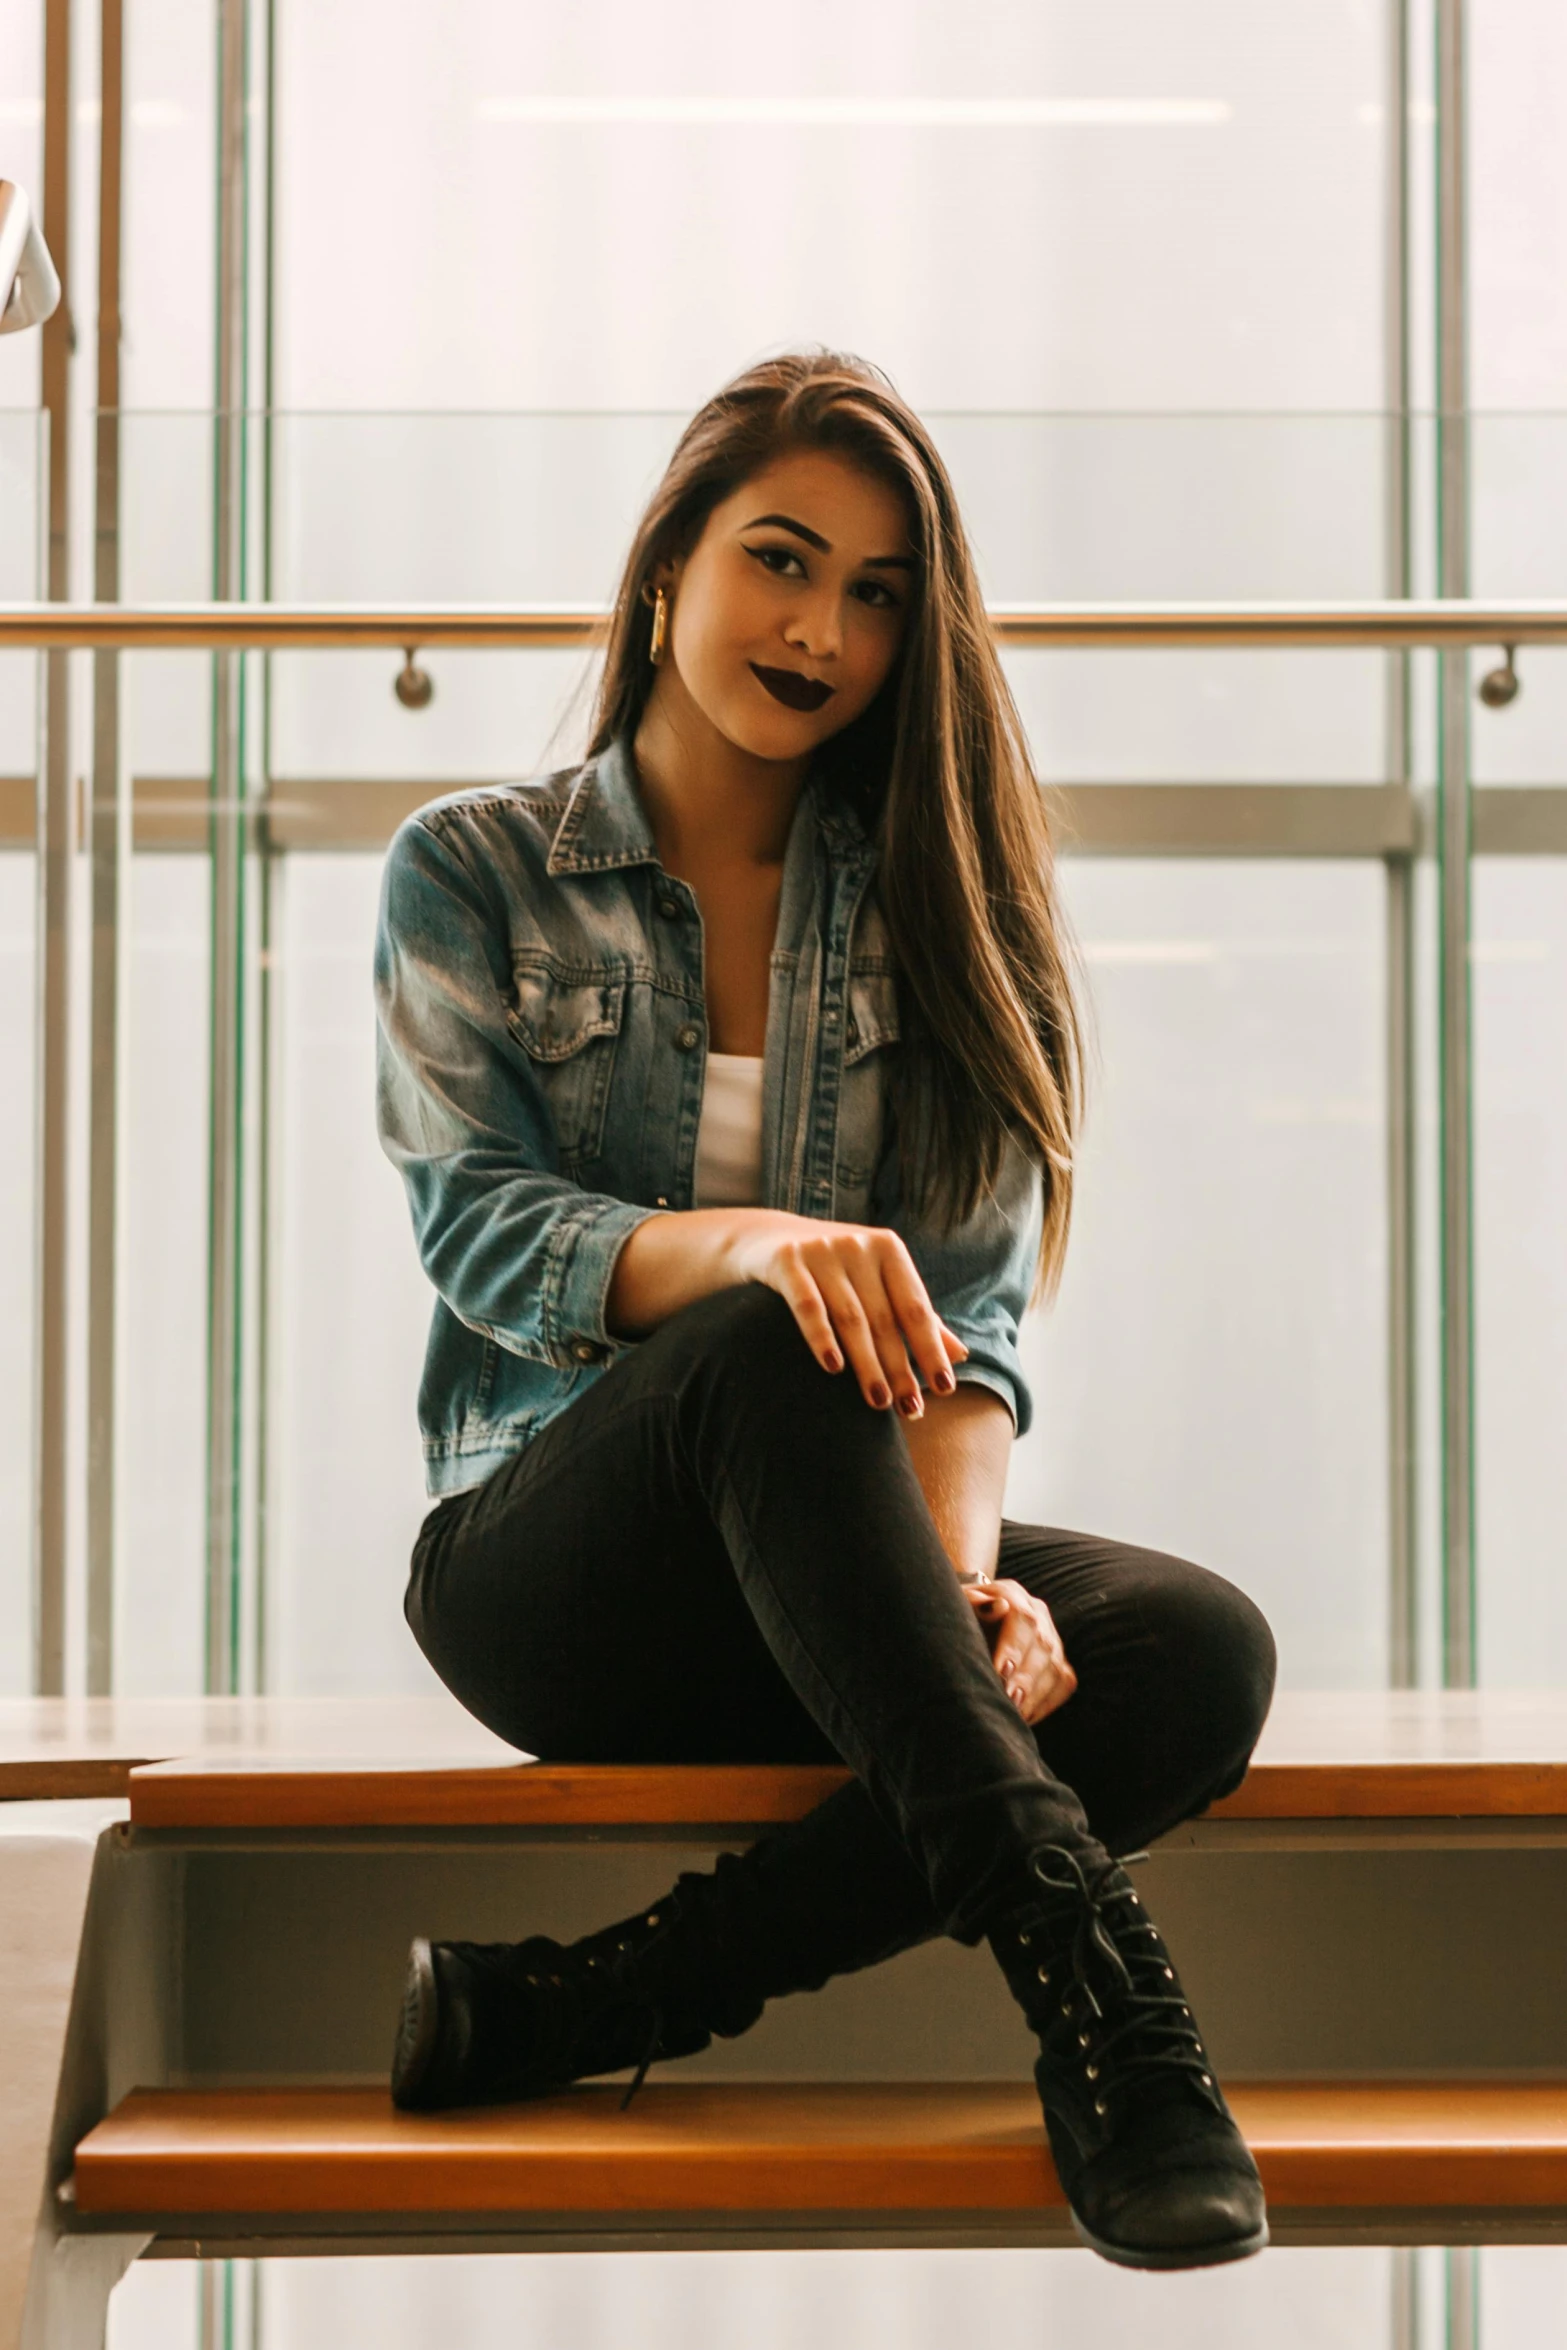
<point>833,1359</point>
<point>944,1383</point>
<point>881,1396</point>
<point>911,1407</point>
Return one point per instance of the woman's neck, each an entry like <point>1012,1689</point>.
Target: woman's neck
<point>707,800</point>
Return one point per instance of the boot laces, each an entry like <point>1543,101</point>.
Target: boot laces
<point>1123,1997</point>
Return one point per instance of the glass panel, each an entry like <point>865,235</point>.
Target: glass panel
<point>21,555</point>
<point>160,1595</point>
<point>1213,1378</point>
<point>539,508</point>
<point>1520,1092</point>
<point>1521,2285</point>
<point>1007,207</point>
<point>351,1307</point>
<point>1520,1000</point>
<point>17,936</point>
<point>1012,2300</point>
<point>1519,471</point>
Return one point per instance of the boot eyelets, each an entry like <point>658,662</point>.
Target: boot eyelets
<point>653,1918</point>
<point>1082,2040</point>
<point>1169,1974</point>
<point>1043,1974</point>
<point>1092,2070</point>
<point>1207,2080</point>
<point>1099,2106</point>
<point>1025,1938</point>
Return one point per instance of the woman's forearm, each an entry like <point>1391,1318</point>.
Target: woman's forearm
<point>960,1451</point>
<point>672,1260</point>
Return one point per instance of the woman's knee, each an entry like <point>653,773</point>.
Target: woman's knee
<point>749,1334</point>
<point>1219,1653</point>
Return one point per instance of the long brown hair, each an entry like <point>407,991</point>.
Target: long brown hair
<point>939,770</point>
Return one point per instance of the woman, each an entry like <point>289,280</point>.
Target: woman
<point>733,1077</point>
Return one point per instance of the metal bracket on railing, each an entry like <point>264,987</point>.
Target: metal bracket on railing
<point>413,686</point>
<point>1498,687</point>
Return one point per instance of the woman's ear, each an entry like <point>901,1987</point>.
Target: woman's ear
<point>661,578</point>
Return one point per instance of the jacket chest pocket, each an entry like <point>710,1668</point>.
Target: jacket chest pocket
<point>569,1029</point>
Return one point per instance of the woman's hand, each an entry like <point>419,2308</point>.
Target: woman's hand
<point>1025,1647</point>
<point>857,1297</point>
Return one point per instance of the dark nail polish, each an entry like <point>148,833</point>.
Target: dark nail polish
<point>944,1383</point>
<point>880,1397</point>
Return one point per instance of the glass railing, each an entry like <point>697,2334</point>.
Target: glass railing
<point>21,577</point>
<point>1219,1373</point>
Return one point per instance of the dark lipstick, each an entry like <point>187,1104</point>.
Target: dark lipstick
<point>790,688</point>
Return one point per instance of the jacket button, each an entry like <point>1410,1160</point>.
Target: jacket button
<point>585,1351</point>
<point>688,1036</point>
<point>669,908</point>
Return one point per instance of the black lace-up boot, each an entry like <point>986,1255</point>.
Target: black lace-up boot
<point>821,1896</point>
<point>1155,2171</point>
<point>489,2022</point>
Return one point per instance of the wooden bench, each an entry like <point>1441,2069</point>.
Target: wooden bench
<point>1370,1929</point>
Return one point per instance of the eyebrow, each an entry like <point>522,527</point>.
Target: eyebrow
<point>813,538</point>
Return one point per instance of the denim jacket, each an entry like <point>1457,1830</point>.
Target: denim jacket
<point>541,1049</point>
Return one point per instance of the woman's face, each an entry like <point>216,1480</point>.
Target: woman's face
<point>788,613</point>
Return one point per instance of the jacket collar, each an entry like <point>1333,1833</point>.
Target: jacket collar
<point>604,825</point>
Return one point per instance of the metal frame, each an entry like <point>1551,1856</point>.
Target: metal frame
<point>1398,980</point>
<point>52,836</point>
<point>225,1268</point>
<point>343,812</point>
<point>109,816</point>
<point>1456,1169</point>
<point>1455,1036</point>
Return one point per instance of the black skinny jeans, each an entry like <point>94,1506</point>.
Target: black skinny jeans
<point>721,1553</point>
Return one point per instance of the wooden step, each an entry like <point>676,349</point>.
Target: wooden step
<point>766,2147</point>
<point>421,1762</point>
<point>294,1794</point>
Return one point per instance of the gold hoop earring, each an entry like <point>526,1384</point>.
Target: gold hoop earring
<point>655,650</point>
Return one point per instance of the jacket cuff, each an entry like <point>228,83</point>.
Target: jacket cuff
<point>985,1373</point>
<point>579,1268</point>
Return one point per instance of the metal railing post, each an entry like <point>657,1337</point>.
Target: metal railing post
<point>1403,1586</point>
<point>52,1127</point>
<point>225,1276</point>
<point>108,826</point>
<point>1453,878</point>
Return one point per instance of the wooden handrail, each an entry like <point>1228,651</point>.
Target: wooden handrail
<point>294,627</point>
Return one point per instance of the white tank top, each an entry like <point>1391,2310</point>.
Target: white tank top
<point>729,1137</point>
